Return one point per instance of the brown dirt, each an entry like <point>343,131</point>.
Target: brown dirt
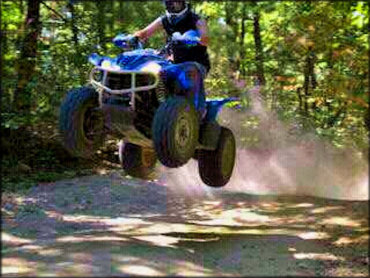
<point>108,224</point>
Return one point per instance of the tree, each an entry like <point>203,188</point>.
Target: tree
<point>27,60</point>
<point>100,16</point>
<point>259,48</point>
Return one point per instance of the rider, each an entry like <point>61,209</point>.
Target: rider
<point>180,18</point>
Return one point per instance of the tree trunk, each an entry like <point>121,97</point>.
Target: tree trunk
<point>242,36</point>
<point>78,60</point>
<point>367,119</point>
<point>231,36</point>
<point>121,11</point>
<point>306,92</point>
<point>300,100</point>
<point>100,5</point>
<point>27,61</point>
<point>21,7</point>
<point>311,68</point>
<point>73,25</point>
<point>259,49</point>
<point>309,77</point>
<point>4,39</point>
<point>111,17</point>
<point>228,23</point>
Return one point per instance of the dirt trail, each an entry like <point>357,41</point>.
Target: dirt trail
<point>110,225</point>
<point>107,224</point>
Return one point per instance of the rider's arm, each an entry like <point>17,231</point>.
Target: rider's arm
<point>148,31</point>
<point>203,31</point>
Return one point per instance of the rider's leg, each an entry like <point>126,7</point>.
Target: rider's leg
<point>187,79</point>
<point>202,92</point>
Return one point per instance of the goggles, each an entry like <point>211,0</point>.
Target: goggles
<point>174,6</point>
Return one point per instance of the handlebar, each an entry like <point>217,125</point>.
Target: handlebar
<point>127,42</point>
<point>189,39</point>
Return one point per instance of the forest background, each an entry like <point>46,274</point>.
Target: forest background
<point>312,58</point>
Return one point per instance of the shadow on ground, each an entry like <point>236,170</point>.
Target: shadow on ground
<point>110,225</point>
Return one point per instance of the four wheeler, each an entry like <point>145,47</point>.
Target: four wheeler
<point>155,107</point>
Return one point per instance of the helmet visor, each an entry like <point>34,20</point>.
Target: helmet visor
<point>174,6</point>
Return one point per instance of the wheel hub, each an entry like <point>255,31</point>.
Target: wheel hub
<point>91,124</point>
<point>147,157</point>
<point>182,134</point>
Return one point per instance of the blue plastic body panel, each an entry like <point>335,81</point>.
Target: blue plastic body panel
<point>214,106</point>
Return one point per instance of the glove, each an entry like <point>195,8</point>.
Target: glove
<point>176,36</point>
<point>124,41</point>
<point>120,40</point>
<point>191,37</point>
<point>133,40</point>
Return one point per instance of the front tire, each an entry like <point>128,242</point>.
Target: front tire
<point>216,167</point>
<point>81,125</point>
<point>175,131</point>
<point>137,161</point>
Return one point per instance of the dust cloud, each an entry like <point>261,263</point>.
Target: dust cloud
<point>282,163</point>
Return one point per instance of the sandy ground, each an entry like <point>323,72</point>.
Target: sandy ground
<point>109,225</point>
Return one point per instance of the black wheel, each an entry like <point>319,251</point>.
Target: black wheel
<point>175,131</point>
<point>81,125</point>
<point>137,161</point>
<point>216,167</point>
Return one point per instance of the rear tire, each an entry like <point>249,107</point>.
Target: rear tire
<point>216,167</point>
<point>175,131</point>
<point>137,161</point>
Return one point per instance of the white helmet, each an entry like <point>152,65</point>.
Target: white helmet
<point>176,9</point>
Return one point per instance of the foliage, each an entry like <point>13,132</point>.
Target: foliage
<point>335,33</point>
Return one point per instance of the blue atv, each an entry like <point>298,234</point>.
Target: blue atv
<point>156,107</point>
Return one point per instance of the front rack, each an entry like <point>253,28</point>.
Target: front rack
<point>131,91</point>
<point>122,91</point>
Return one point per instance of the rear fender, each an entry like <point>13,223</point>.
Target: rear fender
<point>214,106</point>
